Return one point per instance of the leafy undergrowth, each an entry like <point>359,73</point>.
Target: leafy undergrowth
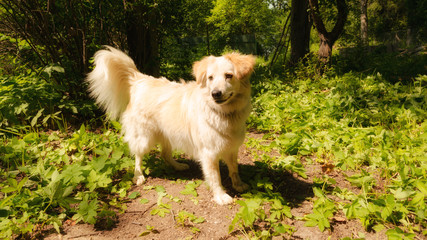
<point>47,178</point>
<point>362,130</point>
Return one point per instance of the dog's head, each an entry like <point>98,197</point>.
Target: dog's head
<point>225,76</point>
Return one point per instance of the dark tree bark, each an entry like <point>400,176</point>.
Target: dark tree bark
<point>300,30</point>
<point>364,21</point>
<point>327,39</point>
<point>142,38</point>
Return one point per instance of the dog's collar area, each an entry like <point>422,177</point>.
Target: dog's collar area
<point>232,114</point>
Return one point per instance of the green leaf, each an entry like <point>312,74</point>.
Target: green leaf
<point>161,212</point>
<point>96,180</point>
<point>36,117</point>
<point>190,189</point>
<point>31,137</point>
<point>280,228</point>
<point>160,189</point>
<point>9,189</point>
<point>148,187</point>
<point>421,186</point>
<point>398,234</point>
<point>134,195</point>
<point>311,223</point>
<point>318,192</point>
<point>87,210</point>
<point>150,229</point>
<point>53,68</point>
<point>402,194</point>
<point>194,230</point>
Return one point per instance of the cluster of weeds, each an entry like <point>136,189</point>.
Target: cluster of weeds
<point>50,169</point>
<point>49,177</point>
<point>31,99</point>
<point>369,130</point>
<point>182,218</point>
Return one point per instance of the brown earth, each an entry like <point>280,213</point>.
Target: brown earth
<point>132,224</point>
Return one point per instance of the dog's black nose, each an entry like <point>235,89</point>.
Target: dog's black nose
<point>216,94</point>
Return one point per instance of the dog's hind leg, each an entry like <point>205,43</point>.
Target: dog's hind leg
<point>140,146</point>
<point>167,156</point>
<point>233,172</point>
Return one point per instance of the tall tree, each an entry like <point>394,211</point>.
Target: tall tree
<point>364,21</point>
<point>142,36</point>
<point>300,30</point>
<point>327,39</point>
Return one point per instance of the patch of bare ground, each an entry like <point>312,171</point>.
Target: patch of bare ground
<point>297,191</point>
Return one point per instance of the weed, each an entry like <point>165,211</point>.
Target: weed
<point>150,229</point>
<point>365,125</point>
<point>46,178</point>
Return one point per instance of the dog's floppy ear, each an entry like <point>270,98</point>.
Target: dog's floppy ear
<point>200,68</point>
<point>244,64</point>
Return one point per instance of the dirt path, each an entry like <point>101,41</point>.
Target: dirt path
<point>211,221</point>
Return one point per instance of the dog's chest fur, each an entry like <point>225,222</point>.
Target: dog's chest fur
<point>229,127</point>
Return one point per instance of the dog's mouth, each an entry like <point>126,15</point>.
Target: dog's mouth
<point>223,100</point>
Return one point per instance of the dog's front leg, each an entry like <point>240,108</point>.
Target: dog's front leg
<point>210,168</point>
<point>138,177</point>
<point>233,172</point>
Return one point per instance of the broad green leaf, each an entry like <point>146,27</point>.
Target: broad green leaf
<point>402,194</point>
<point>36,117</point>
<point>134,195</point>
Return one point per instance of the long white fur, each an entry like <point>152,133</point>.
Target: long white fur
<point>182,116</point>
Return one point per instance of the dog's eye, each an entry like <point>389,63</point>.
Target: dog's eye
<point>228,76</point>
<point>210,78</point>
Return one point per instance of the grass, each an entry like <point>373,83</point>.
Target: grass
<point>372,133</point>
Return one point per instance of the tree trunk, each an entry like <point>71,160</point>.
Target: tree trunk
<point>325,48</point>
<point>142,39</point>
<point>327,39</point>
<point>300,30</point>
<point>364,21</point>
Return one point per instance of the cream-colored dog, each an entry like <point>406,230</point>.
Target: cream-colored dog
<point>205,118</point>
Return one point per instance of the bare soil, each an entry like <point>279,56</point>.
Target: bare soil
<point>132,224</point>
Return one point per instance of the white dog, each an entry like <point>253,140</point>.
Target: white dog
<point>205,118</point>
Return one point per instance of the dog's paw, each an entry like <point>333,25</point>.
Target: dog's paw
<point>181,166</point>
<point>223,199</point>
<point>241,187</point>
<point>139,180</point>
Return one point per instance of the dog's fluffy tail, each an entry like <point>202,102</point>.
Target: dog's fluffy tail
<point>109,82</point>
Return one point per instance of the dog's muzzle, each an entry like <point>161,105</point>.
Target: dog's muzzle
<point>219,97</point>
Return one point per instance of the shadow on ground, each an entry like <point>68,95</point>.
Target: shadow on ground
<point>293,189</point>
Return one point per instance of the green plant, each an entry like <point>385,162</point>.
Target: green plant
<point>162,208</point>
<point>252,212</point>
<point>186,219</point>
<point>150,229</point>
<point>43,175</point>
<point>364,125</point>
<point>323,210</point>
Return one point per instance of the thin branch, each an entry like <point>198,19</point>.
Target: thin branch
<point>279,44</point>
<point>22,30</point>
